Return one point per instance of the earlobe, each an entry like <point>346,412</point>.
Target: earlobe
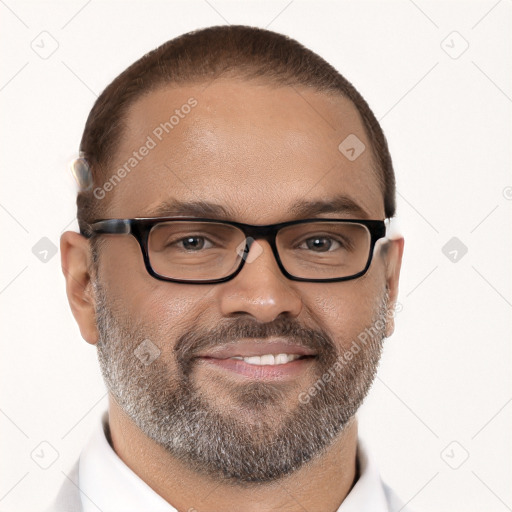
<point>76,265</point>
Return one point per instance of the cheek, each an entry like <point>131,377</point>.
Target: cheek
<point>169,311</point>
<point>345,309</point>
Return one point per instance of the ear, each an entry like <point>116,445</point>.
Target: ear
<point>76,264</point>
<point>393,262</point>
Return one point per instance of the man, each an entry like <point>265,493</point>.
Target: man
<point>234,274</point>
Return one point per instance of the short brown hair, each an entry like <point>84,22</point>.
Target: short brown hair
<point>201,55</point>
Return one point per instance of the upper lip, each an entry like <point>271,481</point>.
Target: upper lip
<point>247,348</point>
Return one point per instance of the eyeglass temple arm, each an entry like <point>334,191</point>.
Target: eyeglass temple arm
<point>112,226</point>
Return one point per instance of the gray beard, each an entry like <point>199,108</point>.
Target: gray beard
<point>262,444</point>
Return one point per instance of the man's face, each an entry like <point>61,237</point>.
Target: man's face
<point>255,150</point>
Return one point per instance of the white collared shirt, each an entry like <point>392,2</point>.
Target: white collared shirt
<point>108,484</point>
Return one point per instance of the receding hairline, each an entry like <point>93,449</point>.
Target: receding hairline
<point>233,77</point>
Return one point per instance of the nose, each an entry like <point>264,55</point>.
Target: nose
<point>260,289</point>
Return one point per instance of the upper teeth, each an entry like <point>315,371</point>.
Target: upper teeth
<point>268,359</point>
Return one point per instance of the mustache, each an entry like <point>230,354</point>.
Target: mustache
<point>192,342</point>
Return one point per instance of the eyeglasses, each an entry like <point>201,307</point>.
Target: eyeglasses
<point>206,251</point>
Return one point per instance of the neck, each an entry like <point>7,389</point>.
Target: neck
<point>319,486</point>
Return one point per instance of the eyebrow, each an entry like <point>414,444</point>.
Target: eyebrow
<point>340,204</point>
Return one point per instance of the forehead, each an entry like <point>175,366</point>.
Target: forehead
<point>256,150</point>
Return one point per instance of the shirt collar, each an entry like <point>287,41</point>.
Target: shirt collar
<point>367,494</point>
<point>108,484</point>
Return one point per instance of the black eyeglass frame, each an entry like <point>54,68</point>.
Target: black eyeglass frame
<point>140,228</point>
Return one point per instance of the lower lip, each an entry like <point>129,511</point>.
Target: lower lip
<point>261,372</point>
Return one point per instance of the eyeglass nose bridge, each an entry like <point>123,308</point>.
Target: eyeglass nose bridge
<point>253,234</point>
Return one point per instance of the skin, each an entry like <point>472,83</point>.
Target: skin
<point>258,149</point>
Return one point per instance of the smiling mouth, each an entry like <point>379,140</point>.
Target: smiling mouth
<point>266,367</point>
<point>272,358</point>
<point>265,359</point>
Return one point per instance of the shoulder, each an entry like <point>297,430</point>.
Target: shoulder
<point>68,497</point>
